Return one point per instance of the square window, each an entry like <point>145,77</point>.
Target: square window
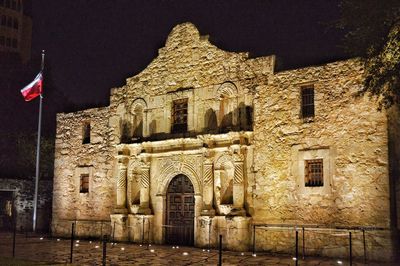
<point>84,184</point>
<point>307,102</point>
<point>179,113</point>
<point>314,173</point>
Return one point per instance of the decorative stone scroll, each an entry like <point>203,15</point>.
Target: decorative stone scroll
<point>238,184</point>
<point>121,176</point>
<point>208,190</point>
<point>145,190</point>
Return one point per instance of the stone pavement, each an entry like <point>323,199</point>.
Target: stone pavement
<point>50,251</point>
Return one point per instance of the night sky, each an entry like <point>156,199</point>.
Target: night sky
<point>94,45</point>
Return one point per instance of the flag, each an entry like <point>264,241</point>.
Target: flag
<point>33,89</point>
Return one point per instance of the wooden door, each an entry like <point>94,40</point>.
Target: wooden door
<point>180,212</point>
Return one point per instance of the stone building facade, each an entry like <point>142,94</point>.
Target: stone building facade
<point>16,201</point>
<point>206,142</point>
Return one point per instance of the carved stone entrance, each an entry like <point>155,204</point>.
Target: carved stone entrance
<point>180,212</point>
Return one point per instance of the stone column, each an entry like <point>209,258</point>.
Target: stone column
<point>208,189</point>
<point>238,186</point>
<point>145,191</point>
<point>121,186</point>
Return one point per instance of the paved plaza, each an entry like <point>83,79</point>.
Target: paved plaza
<point>43,250</point>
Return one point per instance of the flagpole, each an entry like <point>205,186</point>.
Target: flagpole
<point>38,153</point>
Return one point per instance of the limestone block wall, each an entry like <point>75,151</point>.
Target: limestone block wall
<point>23,191</point>
<point>348,133</point>
<point>189,66</point>
<point>72,159</point>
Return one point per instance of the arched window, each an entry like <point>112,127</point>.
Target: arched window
<point>137,121</point>
<point>227,114</point>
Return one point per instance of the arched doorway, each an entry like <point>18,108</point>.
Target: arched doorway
<point>180,212</point>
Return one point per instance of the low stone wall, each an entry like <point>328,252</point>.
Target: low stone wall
<point>333,243</point>
<point>83,228</point>
<point>24,191</point>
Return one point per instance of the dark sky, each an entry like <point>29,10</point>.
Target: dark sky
<point>95,45</point>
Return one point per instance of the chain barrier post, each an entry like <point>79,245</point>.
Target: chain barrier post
<point>72,242</point>
<point>254,239</point>
<point>220,251</point>
<point>365,248</point>
<point>14,233</point>
<point>142,230</point>
<point>304,245</point>
<point>209,233</point>
<point>148,234</point>
<point>350,250</point>
<point>297,247</point>
<point>113,235</point>
<point>104,250</point>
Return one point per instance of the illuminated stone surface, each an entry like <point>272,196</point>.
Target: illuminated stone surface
<point>243,152</point>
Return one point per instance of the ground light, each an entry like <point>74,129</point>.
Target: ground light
<point>122,248</point>
<point>58,239</point>
<point>96,247</point>
<point>41,238</point>
<point>152,250</point>
<point>339,262</point>
<point>185,253</point>
<point>254,255</point>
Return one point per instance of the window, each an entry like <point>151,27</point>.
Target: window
<point>313,173</point>
<point>15,23</point>
<point>9,22</point>
<point>8,42</point>
<point>86,133</point>
<point>307,102</point>
<point>14,4</point>
<point>180,115</point>
<point>14,43</point>
<point>2,40</point>
<point>3,20</point>
<point>84,185</point>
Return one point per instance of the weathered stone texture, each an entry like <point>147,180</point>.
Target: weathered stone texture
<point>23,191</point>
<point>243,152</point>
<point>348,132</point>
<point>351,129</point>
<point>73,158</point>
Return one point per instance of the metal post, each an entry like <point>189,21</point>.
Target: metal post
<point>148,233</point>
<point>365,248</point>
<point>142,230</point>
<point>254,239</point>
<point>113,235</point>
<point>101,231</point>
<point>38,155</point>
<point>297,247</point>
<point>304,245</point>
<point>220,251</point>
<point>104,250</point>
<point>72,241</point>
<point>14,233</point>
<point>350,250</point>
<point>209,233</point>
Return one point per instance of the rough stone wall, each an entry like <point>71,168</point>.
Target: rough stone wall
<point>189,66</point>
<point>72,158</point>
<point>347,132</point>
<point>24,191</point>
